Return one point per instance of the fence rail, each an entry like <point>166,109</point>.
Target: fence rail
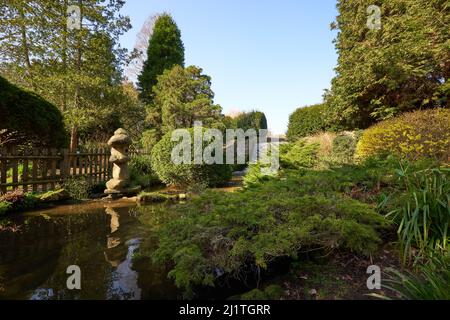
<point>43,169</point>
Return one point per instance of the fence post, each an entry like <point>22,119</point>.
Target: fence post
<point>34,171</point>
<point>25,175</point>
<point>53,153</point>
<point>65,164</point>
<point>3,169</point>
<point>15,168</point>
<point>44,169</point>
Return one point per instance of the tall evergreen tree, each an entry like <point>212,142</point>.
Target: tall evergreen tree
<point>165,50</point>
<point>401,66</point>
<point>184,96</point>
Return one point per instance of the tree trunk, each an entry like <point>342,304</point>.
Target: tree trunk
<point>74,139</point>
<point>64,56</point>
<point>25,46</point>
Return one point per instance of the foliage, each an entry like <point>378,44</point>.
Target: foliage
<point>14,197</point>
<point>307,121</point>
<point>431,282</point>
<point>183,96</point>
<point>165,50</point>
<point>299,155</point>
<point>55,196</point>
<point>424,216</point>
<point>141,172</point>
<point>271,292</point>
<point>76,69</point>
<point>30,118</point>
<point>119,107</point>
<point>186,174</point>
<point>5,207</point>
<point>156,197</point>
<point>149,139</point>
<point>251,120</point>
<point>412,135</point>
<point>344,147</point>
<point>324,140</point>
<point>401,67</point>
<point>254,176</point>
<point>17,200</point>
<point>229,232</point>
<point>77,187</point>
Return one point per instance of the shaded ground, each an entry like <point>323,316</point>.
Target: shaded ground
<point>340,276</point>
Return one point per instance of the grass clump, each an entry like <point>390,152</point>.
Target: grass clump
<point>423,212</point>
<point>431,281</point>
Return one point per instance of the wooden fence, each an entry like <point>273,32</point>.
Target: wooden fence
<point>43,169</point>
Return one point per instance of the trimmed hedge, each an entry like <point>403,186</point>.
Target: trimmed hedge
<point>307,121</point>
<point>414,135</point>
<point>251,120</point>
<point>186,175</point>
<point>35,119</point>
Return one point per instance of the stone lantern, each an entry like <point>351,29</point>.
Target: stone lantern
<point>119,185</point>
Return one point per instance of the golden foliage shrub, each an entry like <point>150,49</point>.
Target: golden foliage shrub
<point>414,135</point>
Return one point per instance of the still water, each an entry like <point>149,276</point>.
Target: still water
<point>37,248</point>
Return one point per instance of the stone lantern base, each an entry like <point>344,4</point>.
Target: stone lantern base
<point>127,192</point>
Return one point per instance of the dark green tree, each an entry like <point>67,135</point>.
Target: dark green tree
<point>251,120</point>
<point>28,118</point>
<point>183,96</point>
<point>165,50</point>
<point>403,65</point>
<point>307,121</point>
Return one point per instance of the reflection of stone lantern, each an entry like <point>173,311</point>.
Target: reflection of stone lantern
<point>120,182</point>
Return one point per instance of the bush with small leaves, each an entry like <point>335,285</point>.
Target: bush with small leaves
<point>186,174</point>
<point>278,218</point>
<point>414,135</point>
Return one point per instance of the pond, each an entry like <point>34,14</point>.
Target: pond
<point>37,248</point>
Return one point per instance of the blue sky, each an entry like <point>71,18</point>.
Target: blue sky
<point>270,55</point>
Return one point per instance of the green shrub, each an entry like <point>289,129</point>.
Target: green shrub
<point>251,120</point>
<point>412,135</point>
<point>186,174</point>
<point>274,292</point>
<point>424,215</point>
<point>344,147</point>
<point>299,155</point>
<point>307,121</point>
<point>78,187</point>
<point>141,172</point>
<point>254,176</point>
<point>149,139</point>
<point>30,202</point>
<point>5,207</point>
<point>230,231</point>
<point>35,119</point>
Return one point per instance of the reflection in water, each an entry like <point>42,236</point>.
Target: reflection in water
<point>114,219</point>
<point>101,241</point>
<point>125,283</point>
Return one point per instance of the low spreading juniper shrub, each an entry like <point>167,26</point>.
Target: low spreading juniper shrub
<point>221,233</point>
